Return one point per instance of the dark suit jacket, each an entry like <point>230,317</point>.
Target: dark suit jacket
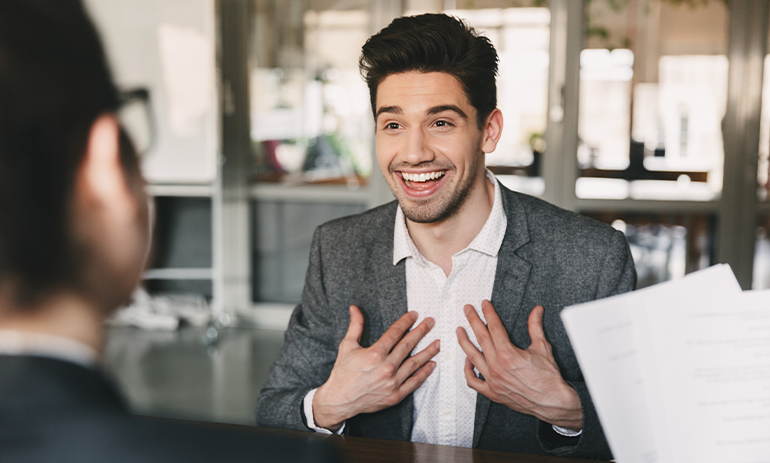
<point>549,256</point>
<point>56,411</point>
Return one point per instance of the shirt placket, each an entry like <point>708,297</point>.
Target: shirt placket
<point>449,348</point>
<point>445,409</point>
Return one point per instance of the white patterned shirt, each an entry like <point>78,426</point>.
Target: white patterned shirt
<point>444,405</point>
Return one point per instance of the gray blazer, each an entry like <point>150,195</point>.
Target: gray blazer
<point>549,257</point>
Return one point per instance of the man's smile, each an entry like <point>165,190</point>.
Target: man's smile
<point>421,184</point>
<point>422,176</point>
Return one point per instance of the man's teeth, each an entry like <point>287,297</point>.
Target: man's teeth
<point>422,177</point>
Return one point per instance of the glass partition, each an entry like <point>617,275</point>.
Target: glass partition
<point>311,131</point>
<point>310,115</point>
<point>653,92</point>
<point>665,246</point>
<point>521,37</point>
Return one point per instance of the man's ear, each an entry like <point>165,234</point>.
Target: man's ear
<point>491,131</point>
<point>101,180</point>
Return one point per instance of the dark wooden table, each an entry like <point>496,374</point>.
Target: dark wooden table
<point>366,450</point>
<point>361,450</point>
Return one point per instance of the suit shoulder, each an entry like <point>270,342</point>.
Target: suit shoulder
<point>365,226</point>
<point>547,221</point>
<point>573,251</point>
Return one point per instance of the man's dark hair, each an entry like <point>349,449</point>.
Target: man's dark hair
<point>54,83</point>
<point>434,43</point>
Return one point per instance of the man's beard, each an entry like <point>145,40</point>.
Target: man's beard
<point>444,207</point>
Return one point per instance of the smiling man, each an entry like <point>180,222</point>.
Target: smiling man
<point>435,318</point>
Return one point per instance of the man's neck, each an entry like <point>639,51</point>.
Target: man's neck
<point>439,241</point>
<point>63,315</point>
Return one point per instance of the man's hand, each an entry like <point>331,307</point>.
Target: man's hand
<point>527,381</point>
<point>366,380</point>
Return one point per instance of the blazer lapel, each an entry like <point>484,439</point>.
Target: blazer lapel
<point>511,279</point>
<point>391,300</point>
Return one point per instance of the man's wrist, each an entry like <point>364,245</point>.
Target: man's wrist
<point>307,406</point>
<point>321,413</point>
<point>570,412</point>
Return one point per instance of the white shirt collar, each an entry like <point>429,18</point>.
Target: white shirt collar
<point>488,241</point>
<point>14,342</point>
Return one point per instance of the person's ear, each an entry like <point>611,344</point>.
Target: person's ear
<point>101,179</point>
<point>492,131</point>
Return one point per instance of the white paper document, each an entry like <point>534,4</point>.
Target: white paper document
<point>679,372</point>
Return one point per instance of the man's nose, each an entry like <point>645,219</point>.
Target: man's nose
<point>418,149</point>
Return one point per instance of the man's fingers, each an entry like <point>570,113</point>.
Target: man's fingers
<point>416,379</point>
<point>478,358</point>
<point>535,325</point>
<point>495,325</point>
<point>356,327</point>
<point>417,361</point>
<point>407,344</point>
<point>480,330</point>
<point>474,382</point>
<point>396,331</point>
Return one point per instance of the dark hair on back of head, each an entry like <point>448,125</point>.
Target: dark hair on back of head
<point>434,43</point>
<point>54,83</point>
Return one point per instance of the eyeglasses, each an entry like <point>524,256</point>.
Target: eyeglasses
<point>136,118</point>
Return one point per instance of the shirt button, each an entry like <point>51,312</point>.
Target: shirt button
<point>447,295</point>
<point>447,414</point>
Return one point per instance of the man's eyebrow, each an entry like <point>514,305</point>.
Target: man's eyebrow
<point>449,107</point>
<point>389,109</point>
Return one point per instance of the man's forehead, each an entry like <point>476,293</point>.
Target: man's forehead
<point>426,90</point>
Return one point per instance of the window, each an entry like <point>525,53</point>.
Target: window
<point>310,115</point>
<point>653,94</point>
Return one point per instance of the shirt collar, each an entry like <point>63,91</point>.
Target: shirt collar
<point>488,241</point>
<point>14,342</point>
<point>403,246</point>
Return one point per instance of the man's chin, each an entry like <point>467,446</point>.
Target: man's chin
<point>432,209</point>
<point>426,213</point>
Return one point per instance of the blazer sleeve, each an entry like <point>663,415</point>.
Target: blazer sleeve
<point>618,275</point>
<point>307,356</point>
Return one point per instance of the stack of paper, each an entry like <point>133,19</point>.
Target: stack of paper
<point>679,372</point>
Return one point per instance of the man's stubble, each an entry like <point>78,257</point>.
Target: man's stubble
<point>447,206</point>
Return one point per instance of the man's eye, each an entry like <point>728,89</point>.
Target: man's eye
<point>391,125</point>
<point>443,124</point>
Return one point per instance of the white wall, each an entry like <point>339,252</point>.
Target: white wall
<point>185,150</point>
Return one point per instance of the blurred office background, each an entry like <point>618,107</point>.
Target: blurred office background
<point>650,115</point>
